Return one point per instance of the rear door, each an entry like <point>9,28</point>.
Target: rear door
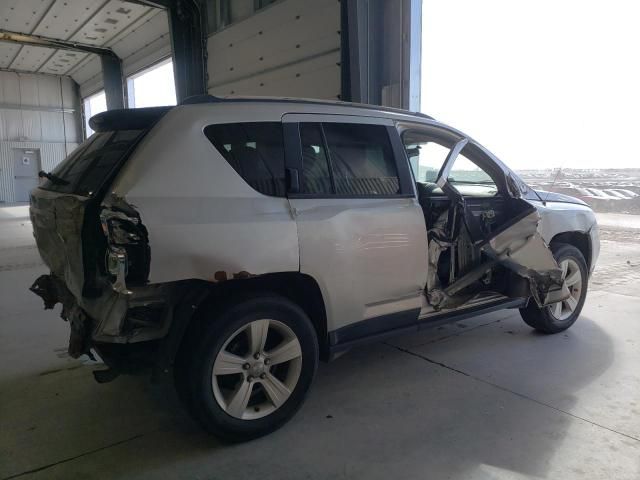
<point>361,231</point>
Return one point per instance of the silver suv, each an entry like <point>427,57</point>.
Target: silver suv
<point>232,243</point>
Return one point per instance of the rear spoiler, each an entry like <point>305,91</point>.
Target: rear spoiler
<point>127,119</point>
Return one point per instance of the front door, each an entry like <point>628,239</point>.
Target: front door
<point>26,165</point>
<point>361,230</point>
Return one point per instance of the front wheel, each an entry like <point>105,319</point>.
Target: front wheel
<point>560,316</point>
<point>252,368</point>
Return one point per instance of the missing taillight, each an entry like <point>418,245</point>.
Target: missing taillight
<point>127,257</point>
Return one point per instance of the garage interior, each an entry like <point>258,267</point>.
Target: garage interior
<point>481,398</point>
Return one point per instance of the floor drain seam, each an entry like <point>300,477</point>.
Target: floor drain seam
<point>505,389</point>
<point>84,454</point>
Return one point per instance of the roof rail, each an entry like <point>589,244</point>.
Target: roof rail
<point>206,98</point>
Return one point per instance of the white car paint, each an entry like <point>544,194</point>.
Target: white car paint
<point>368,255</point>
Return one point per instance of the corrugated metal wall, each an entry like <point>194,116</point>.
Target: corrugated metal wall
<point>36,112</point>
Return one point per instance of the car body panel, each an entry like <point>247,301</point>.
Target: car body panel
<point>367,254</point>
<point>211,225</point>
<point>205,223</point>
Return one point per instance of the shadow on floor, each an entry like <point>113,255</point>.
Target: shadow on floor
<point>377,412</point>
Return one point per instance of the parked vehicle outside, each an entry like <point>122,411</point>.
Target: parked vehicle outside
<point>233,243</point>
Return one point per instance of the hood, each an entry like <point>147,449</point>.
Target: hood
<point>559,197</point>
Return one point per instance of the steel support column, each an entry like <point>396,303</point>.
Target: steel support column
<point>380,52</point>
<point>112,80</point>
<point>188,29</point>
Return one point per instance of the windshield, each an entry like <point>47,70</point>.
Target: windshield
<point>87,168</point>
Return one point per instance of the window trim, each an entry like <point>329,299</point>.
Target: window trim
<point>287,173</point>
<point>437,134</point>
<point>293,155</point>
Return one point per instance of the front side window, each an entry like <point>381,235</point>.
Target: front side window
<point>362,160</point>
<point>427,155</point>
<point>255,151</point>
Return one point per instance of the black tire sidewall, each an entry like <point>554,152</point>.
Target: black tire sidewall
<point>541,318</point>
<point>206,408</point>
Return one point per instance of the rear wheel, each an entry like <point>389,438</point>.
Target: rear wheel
<point>560,316</point>
<point>251,368</point>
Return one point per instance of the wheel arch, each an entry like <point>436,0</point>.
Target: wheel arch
<point>297,287</point>
<point>580,240</point>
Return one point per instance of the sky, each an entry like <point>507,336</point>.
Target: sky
<point>544,84</point>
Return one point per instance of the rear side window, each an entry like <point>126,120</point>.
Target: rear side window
<point>361,159</point>
<point>90,165</point>
<point>255,151</point>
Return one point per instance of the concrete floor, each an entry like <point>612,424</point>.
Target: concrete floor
<point>485,398</point>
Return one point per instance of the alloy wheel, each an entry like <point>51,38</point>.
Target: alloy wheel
<point>573,279</point>
<point>257,369</point>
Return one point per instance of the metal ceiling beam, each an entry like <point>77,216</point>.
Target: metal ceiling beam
<point>111,64</point>
<point>40,41</point>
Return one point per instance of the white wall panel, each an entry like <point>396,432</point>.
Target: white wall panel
<point>52,127</point>
<point>145,43</point>
<point>9,87</point>
<point>31,116</point>
<point>90,69</point>
<point>21,15</point>
<point>313,78</point>
<point>49,90</point>
<point>12,120</point>
<point>31,58</point>
<point>66,16</point>
<point>72,134</point>
<point>31,126</point>
<point>288,49</point>
<point>7,53</point>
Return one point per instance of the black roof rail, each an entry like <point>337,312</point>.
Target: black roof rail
<point>195,99</point>
<point>204,98</point>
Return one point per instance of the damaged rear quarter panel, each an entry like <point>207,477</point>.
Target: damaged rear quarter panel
<point>201,216</point>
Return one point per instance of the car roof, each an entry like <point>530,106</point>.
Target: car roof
<point>198,99</point>
<point>136,118</point>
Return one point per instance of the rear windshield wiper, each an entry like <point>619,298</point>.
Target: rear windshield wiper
<point>53,178</point>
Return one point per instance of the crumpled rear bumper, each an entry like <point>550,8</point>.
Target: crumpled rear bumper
<point>52,291</point>
<point>113,317</point>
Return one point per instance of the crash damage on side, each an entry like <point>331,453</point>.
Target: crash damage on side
<point>490,247</point>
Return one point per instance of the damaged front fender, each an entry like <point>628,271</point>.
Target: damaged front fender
<point>522,249</point>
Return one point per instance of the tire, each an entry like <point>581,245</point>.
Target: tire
<point>560,316</point>
<point>247,395</point>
